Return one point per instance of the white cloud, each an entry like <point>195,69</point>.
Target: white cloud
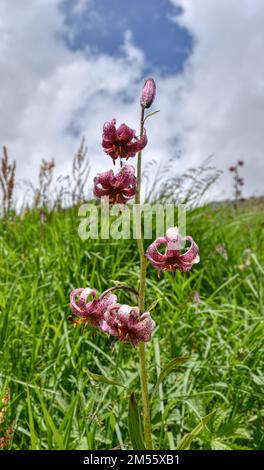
<point>221,107</point>
<point>49,94</point>
<point>49,91</point>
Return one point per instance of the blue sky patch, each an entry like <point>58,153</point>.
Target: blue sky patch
<point>102,24</point>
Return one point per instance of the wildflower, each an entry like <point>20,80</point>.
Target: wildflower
<point>240,162</point>
<point>173,259</point>
<point>241,181</point>
<point>121,142</point>
<point>8,433</point>
<point>120,188</point>
<point>7,437</point>
<point>93,311</point>
<point>128,325</point>
<point>6,397</point>
<point>232,168</point>
<point>148,93</point>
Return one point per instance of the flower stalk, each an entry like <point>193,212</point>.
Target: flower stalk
<point>131,324</point>
<point>142,287</point>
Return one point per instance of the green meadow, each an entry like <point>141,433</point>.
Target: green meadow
<point>70,387</point>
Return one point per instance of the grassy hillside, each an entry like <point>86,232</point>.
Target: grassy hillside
<point>46,362</point>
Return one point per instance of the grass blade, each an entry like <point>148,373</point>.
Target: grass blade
<point>186,441</point>
<point>134,424</point>
<point>168,369</point>
<point>33,438</point>
<point>103,379</point>
<point>50,424</point>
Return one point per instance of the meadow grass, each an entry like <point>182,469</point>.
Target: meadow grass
<point>58,403</point>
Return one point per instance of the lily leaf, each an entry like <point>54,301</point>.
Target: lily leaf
<point>151,114</point>
<point>134,424</point>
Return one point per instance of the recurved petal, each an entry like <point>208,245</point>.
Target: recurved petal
<point>82,302</point>
<point>111,319</point>
<point>125,177</point>
<point>105,179</point>
<point>138,145</point>
<point>125,133</point>
<point>74,307</point>
<point>173,239</point>
<point>129,193</point>
<point>80,309</point>
<point>109,131</point>
<point>145,327</point>
<point>100,192</point>
<point>124,312</point>
<point>134,316</point>
<point>191,254</point>
<point>142,142</point>
<point>183,267</point>
<point>152,253</point>
<point>106,302</point>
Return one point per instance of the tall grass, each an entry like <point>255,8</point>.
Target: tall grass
<point>57,401</point>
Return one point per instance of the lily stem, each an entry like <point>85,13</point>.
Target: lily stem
<point>142,287</point>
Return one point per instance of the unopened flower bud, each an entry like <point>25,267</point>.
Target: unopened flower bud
<point>148,93</point>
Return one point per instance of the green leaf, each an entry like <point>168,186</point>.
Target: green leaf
<point>67,422</point>
<point>134,424</point>
<point>151,114</point>
<point>153,305</point>
<point>103,379</point>
<point>186,441</point>
<point>168,369</point>
<point>51,427</point>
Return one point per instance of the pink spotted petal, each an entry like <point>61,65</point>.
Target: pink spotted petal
<point>100,192</point>
<point>105,179</point>
<point>137,146</point>
<point>173,239</point>
<point>125,177</point>
<point>120,187</point>
<point>82,309</point>
<point>109,131</point>
<point>145,327</point>
<point>126,323</point>
<point>172,259</point>
<point>191,254</point>
<point>152,252</point>
<point>106,302</point>
<point>125,133</point>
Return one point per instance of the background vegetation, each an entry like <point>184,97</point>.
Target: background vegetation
<point>213,315</point>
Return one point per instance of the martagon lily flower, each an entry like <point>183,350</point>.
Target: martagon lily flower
<point>120,188</point>
<point>173,259</point>
<point>128,325</point>
<point>121,142</point>
<point>93,311</point>
<point>122,321</point>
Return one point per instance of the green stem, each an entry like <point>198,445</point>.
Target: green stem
<point>142,286</point>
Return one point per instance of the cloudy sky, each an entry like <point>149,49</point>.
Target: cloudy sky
<point>68,66</point>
